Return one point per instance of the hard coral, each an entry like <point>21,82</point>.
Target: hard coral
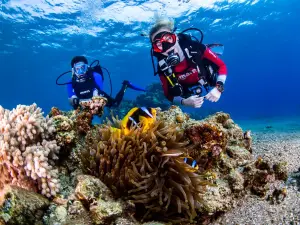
<point>27,149</point>
<point>20,206</point>
<point>207,135</point>
<point>65,133</point>
<point>148,168</point>
<point>84,117</point>
<point>83,122</point>
<point>94,106</point>
<point>54,112</point>
<point>210,142</point>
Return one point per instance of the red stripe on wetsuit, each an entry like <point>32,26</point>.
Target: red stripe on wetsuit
<point>187,74</point>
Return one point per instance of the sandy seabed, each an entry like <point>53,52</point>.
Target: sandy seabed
<point>275,145</point>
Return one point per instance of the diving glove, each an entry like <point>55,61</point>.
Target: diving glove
<point>194,101</point>
<point>214,95</point>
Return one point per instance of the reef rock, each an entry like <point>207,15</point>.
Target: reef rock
<point>20,206</point>
<point>95,196</point>
<point>90,189</point>
<point>179,170</point>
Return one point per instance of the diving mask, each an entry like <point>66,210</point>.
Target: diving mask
<point>80,68</point>
<point>163,41</point>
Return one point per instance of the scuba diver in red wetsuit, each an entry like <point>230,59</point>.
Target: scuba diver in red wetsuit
<point>186,66</point>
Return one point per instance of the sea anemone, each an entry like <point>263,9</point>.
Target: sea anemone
<point>147,168</point>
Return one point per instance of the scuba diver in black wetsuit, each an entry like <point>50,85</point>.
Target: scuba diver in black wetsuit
<point>87,82</point>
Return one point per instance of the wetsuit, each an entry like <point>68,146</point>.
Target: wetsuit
<point>87,88</point>
<point>187,74</point>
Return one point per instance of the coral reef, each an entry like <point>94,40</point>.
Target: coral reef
<point>28,149</point>
<point>91,202</point>
<point>94,106</point>
<point>86,112</point>
<point>260,173</point>
<point>19,206</point>
<point>65,132</point>
<point>69,125</point>
<point>148,168</point>
<point>55,112</point>
<point>176,169</point>
<point>223,154</point>
<point>83,122</point>
<point>98,199</point>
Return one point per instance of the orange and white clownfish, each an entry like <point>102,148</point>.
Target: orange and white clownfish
<point>142,117</point>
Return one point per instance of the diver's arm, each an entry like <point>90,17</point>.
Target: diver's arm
<point>192,101</point>
<point>73,99</point>
<point>98,80</point>
<point>100,92</point>
<point>222,71</point>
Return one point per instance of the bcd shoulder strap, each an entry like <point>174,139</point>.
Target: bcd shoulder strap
<point>193,52</point>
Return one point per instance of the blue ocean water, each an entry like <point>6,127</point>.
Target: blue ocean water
<point>38,38</point>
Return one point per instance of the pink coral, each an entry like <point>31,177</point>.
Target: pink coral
<point>27,148</point>
<point>95,106</point>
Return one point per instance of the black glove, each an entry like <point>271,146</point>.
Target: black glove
<point>75,103</point>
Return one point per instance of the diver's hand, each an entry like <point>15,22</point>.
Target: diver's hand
<point>214,95</point>
<point>75,103</point>
<point>193,101</point>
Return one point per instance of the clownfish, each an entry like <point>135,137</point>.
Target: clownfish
<point>137,116</point>
<point>191,162</point>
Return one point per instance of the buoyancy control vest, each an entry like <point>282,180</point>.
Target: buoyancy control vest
<point>84,89</point>
<point>193,51</point>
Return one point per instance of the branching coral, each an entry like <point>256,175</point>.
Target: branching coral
<point>83,122</point>
<point>94,106</point>
<point>148,168</point>
<point>84,117</point>
<point>27,150</point>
